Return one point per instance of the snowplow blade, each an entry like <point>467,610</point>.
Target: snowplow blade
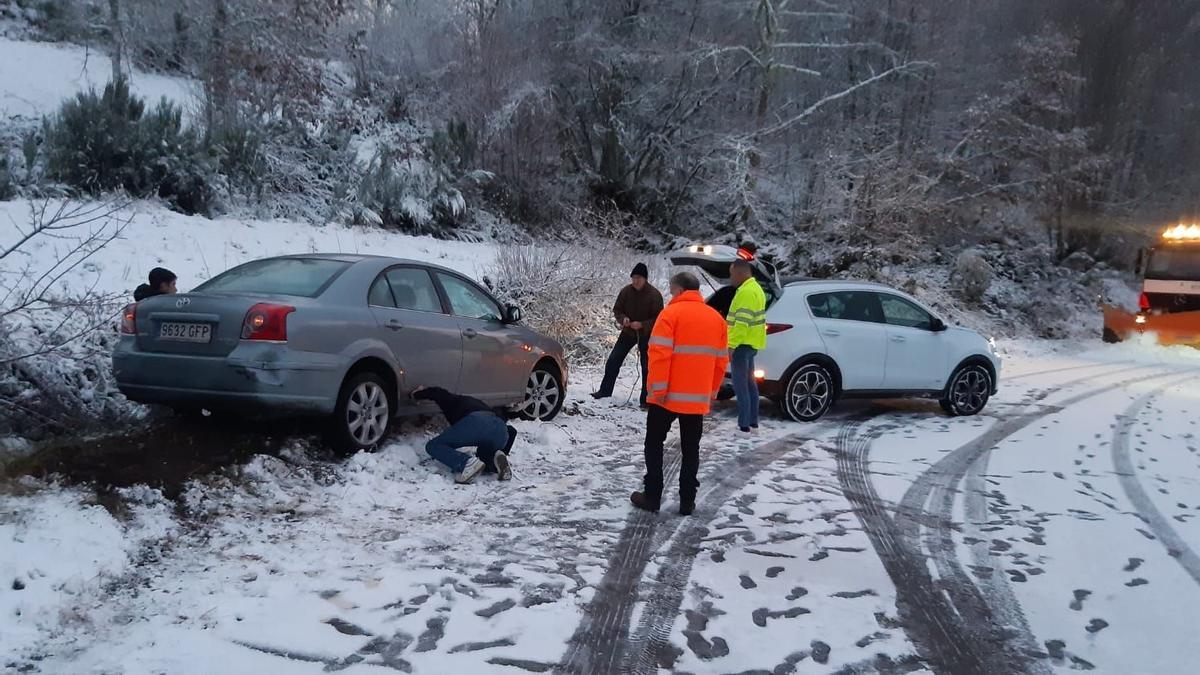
<point>1181,328</point>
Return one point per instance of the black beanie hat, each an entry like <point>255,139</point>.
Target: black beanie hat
<point>639,270</point>
<point>160,276</point>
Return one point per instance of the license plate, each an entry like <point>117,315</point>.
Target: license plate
<point>185,332</point>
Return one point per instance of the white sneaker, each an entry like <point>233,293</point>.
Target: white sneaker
<point>503,468</point>
<point>470,472</point>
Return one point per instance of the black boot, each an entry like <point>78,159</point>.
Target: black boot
<point>687,506</point>
<point>599,395</point>
<point>642,501</point>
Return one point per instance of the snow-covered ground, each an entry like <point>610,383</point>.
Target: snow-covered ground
<point>1055,532</point>
<point>35,78</point>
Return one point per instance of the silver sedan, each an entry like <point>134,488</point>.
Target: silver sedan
<point>343,336</point>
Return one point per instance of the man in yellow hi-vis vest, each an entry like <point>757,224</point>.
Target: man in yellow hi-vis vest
<point>747,321</point>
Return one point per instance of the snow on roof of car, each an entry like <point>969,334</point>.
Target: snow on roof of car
<point>849,283</point>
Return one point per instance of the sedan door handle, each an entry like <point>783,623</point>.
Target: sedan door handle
<point>470,332</point>
<point>898,338</point>
<point>394,324</point>
<point>831,332</point>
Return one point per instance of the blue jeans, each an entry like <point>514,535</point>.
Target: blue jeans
<point>485,431</point>
<point>741,367</point>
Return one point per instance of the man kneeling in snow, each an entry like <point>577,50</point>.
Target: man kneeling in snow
<point>472,423</point>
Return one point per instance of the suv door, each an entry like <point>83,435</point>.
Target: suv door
<point>850,324</point>
<point>492,369</point>
<point>916,354</point>
<point>425,341</point>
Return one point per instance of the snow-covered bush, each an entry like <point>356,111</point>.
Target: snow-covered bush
<point>413,193</point>
<point>567,290</point>
<point>971,276</point>
<point>99,142</point>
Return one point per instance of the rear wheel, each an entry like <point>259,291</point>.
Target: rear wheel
<point>363,414</point>
<point>808,393</point>
<point>544,395</point>
<point>969,390</point>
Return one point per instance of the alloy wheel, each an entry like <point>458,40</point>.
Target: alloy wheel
<point>970,391</point>
<point>367,413</point>
<point>542,395</point>
<point>809,393</point>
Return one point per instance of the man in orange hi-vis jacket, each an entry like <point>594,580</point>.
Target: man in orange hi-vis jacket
<point>688,353</point>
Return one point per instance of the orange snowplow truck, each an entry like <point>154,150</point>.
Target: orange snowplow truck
<point>1169,307</point>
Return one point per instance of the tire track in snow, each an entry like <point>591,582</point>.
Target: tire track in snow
<point>1177,548</point>
<point>937,487</point>
<point>650,646</point>
<point>948,633</point>
<point>595,647</point>
<point>930,622</point>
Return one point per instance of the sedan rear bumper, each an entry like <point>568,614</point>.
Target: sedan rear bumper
<point>255,378</point>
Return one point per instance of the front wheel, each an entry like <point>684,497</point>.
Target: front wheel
<point>808,394</point>
<point>363,414</point>
<point>969,391</point>
<point>544,395</point>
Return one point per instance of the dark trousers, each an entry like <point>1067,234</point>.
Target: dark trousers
<point>658,423</point>
<point>625,342</point>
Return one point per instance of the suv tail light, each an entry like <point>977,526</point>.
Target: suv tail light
<point>773,328</point>
<point>129,319</point>
<point>1144,302</point>
<point>265,321</point>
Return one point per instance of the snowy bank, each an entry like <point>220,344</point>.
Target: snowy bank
<point>35,78</point>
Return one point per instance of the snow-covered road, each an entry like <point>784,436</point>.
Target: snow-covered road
<point>1055,532</point>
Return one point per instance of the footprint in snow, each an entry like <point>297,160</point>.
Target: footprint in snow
<point>773,572</point>
<point>747,582</point>
<point>1096,625</point>
<point>1081,594</point>
<point>1137,581</point>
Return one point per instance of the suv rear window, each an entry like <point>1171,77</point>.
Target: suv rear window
<point>305,277</point>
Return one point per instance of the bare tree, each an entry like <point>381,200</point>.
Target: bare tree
<point>33,288</point>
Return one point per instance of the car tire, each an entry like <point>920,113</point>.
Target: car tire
<point>808,393</point>
<point>544,395</point>
<point>363,414</point>
<point>968,392</point>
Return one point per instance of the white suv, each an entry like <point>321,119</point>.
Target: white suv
<point>847,339</point>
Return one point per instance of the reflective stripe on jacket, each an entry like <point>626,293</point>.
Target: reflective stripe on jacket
<point>747,316</point>
<point>688,354</point>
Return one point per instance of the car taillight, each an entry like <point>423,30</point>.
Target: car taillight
<point>1144,302</point>
<point>266,322</point>
<point>129,319</point>
<point>773,328</point>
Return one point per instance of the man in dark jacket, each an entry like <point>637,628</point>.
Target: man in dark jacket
<point>472,423</point>
<point>162,282</point>
<point>636,308</point>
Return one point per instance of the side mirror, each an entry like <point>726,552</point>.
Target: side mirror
<point>512,314</point>
<point>938,325</point>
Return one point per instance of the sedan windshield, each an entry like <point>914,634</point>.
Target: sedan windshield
<point>305,277</point>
